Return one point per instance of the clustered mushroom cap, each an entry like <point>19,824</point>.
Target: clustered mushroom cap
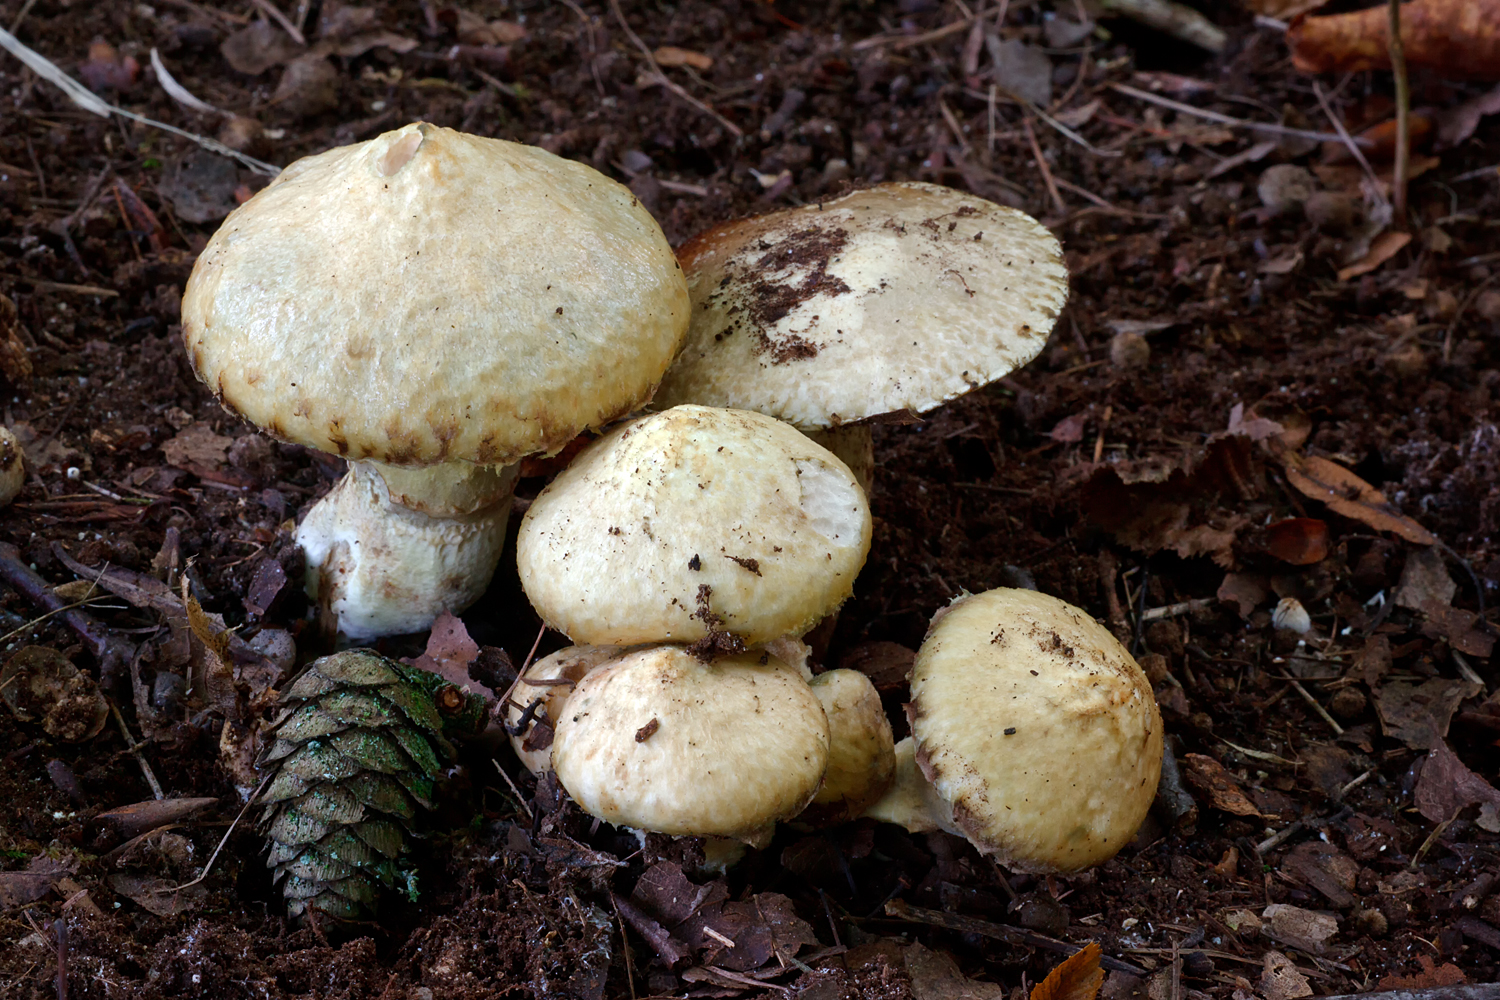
<point>692,520</point>
<point>861,748</point>
<point>900,296</point>
<point>659,740</point>
<point>431,296</point>
<point>564,669</point>
<point>1038,728</point>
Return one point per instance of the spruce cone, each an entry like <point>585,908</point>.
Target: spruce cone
<point>355,752</point>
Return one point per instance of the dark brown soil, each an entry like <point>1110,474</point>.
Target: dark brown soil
<point>1112,485</point>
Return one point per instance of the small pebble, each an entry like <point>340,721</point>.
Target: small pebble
<point>1128,350</point>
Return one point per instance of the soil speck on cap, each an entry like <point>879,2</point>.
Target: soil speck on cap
<point>771,299</point>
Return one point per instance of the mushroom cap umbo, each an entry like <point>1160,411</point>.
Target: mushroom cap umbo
<point>899,296</point>
<point>431,296</point>
<point>861,748</point>
<point>1037,726</point>
<point>660,741</point>
<point>552,679</point>
<point>690,521</point>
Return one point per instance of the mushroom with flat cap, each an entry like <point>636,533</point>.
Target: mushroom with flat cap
<point>1036,733</point>
<point>658,740</point>
<point>433,306</point>
<point>897,297</point>
<point>861,750</point>
<point>694,524</point>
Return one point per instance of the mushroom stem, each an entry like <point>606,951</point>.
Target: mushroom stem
<point>854,444</point>
<point>910,801</point>
<point>389,549</point>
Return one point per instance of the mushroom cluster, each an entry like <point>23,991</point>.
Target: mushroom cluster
<point>682,548</point>
<point>433,307</point>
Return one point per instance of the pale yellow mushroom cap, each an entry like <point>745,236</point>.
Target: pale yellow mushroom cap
<point>432,296</point>
<point>1038,727</point>
<point>658,740</point>
<point>552,679</point>
<point>12,466</point>
<point>861,748</point>
<point>899,296</point>
<point>692,514</point>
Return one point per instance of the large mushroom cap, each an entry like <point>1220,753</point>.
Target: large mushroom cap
<point>1038,727</point>
<point>692,520</point>
<point>548,684</point>
<point>658,740</point>
<point>428,296</point>
<point>900,296</point>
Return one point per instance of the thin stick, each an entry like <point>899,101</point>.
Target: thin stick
<point>225,839</point>
<point>1041,164</point>
<point>1403,118</point>
<point>1313,702</point>
<point>675,88</point>
<point>1348,140</point>
<point>1109,411</point>
<point>519,797</point>
<point>60,928</point>
<point>624,945</point>
<point>1182,608</point>
<point>1222,119</point>
<point>135,749</point>
<point>281,19</point>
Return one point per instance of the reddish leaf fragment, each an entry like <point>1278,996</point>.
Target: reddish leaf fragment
<point>1069,430</point>
<point>449,653</point>
<point>1246,591</point>
<point>1300,541</point>
<point>1419,714</point>
<point>106,70</point>
<point>1214,780</point>
<point>671,55</point>
<point>1431,977</point>
<point>1349,495</point>
<point>1078,977</point>
<point>1464,630</point>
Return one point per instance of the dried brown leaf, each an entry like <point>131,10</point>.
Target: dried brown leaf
<point>449,653</point>
<point>197,444</point>
<point>1214,780</point>
<point>1432,976</point>
<point>1447,786</point>
<point>1461,38</point>
<point>936,976</point>
<point>15,362</point>
<point>1077,977</point>
<point>1246,591</point>
<point>1349,495</point>
<point>1419,714</point>
<point>1300,541</point>
<point>671,55</point>
<point>1382,248</point>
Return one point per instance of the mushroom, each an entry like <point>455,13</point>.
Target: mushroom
<point>433,306</point>
<point>12,466</point>
<point>536,702</point>
<point>861,750</point>
<point>896,297</point>
<point>660,741</point>
<point>1036,733</point>
<point>694,524</point>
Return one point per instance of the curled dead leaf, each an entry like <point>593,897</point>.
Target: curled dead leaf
<point>1349,495</point>
<point>1382,248</point>
<point>1214,780</point>
<point>1077,977</point>
<point>1459,37</point>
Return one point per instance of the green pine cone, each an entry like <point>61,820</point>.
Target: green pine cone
<point>355,752</point>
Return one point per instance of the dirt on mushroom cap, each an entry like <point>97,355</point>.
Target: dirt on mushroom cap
<point>900,296</point>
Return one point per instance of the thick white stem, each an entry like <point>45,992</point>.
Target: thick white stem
<point>854,444</point>
<point>382,568</point>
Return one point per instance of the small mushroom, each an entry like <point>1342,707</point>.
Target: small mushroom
<point>12,466</point>
<point>537,701</point>
<point>693,524</point>
<point>897,297</point>
<point>1035,729</point>
<point>432,306</point>
<point>861,749</point>
<point>660,741</point>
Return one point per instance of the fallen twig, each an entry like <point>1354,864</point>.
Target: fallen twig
<point>1181,608</point>
<point>136,750</point>
<point>112,652</point>
<point>89,101</point>
<point>735,130</point>
<point>209,865</point>
<point>1222,119</point>
<point>1403,118</point>
<point>281,19</point>
<point>1349,141</point>
<point>1000,932</point>
<point>1041,164</point>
